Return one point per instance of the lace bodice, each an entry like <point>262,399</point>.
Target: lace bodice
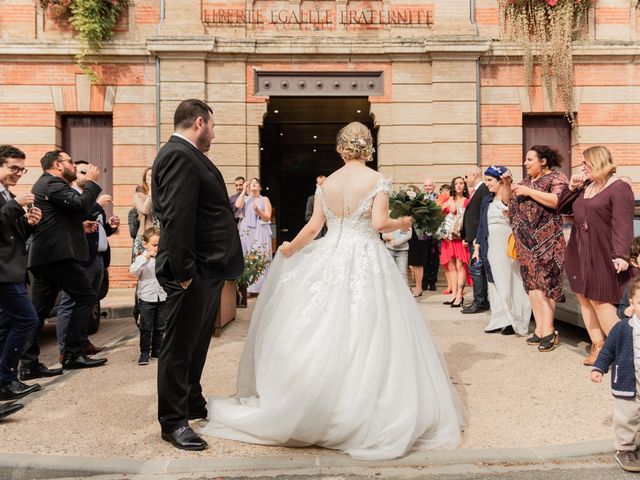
<point>359,221</point>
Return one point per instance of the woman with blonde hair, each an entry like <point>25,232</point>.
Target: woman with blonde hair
<point>142,203</point>
<point>597,256</point>
<point>338,354</point>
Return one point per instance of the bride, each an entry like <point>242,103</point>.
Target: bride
<point>338,354</point>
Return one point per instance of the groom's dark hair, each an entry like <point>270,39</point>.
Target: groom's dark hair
<point>188,111</point>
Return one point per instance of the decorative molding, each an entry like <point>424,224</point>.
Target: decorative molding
<point>330,84</point>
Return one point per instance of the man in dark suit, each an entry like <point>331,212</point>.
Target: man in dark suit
<point>96,264</point>
<point>470,223</point>
<point>199,249</point>
<point>18,317</point>
<point>57,249</point>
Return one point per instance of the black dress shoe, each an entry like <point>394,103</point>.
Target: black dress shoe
<point>432,288</point>
<point>7,409</point>
<point>39,371</point>
<point>473,308</point>
<point>82,361</point>
<point>508,330</point>
<point>185,439</point>
<point>16,389</point>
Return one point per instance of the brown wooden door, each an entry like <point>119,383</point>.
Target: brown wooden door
<point>551,130</point>
<point>90,138</point>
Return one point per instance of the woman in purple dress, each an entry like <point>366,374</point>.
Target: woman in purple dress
<point>254,227</point>
<point>540,245</point>
<point>598,250</point>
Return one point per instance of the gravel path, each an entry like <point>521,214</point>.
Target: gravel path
<point>516,396</point>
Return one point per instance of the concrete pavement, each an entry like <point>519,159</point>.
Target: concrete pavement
<point>525,407</point>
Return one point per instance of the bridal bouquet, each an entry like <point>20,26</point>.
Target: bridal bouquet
<point>427,215</point>
<point>255,265</point>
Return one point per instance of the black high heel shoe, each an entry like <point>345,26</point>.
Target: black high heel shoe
<point>534,340</point>
<point>549,342</point>
<point>449,302</point>
<point>457,305</point>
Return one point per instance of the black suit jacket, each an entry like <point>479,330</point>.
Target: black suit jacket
<point>94,237</point>
<point>471,218</point>
<point>199,235</point>
<point>59,235</point>
<point>14,232</point>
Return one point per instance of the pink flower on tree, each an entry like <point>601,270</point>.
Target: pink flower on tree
<point>552,3</point>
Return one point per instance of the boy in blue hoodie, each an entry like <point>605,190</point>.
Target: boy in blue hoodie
<point>622,350</point>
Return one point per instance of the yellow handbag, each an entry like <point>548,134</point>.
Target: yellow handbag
<point>511,247</point>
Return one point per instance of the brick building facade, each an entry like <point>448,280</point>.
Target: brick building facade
<point>445,91</point>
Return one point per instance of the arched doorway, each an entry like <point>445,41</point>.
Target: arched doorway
<point>298,143</point>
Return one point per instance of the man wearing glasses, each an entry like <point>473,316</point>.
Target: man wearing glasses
<point>57,250</point>
<point>18,318</point>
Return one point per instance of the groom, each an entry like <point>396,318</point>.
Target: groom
<point>199,249</point>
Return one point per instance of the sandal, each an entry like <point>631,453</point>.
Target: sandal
<point>447,292</point>
<point>413,292</point>
<point>549,342</point>
<point>534,340</point>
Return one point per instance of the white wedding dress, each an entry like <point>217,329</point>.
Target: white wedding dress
<point>338,354</point>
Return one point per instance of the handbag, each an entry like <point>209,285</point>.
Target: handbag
<point>511,246</point>
<point>457,224</point>
<point>451,226</point>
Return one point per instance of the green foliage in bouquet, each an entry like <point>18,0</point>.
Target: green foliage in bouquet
<point>255,264</point>
<point>427,215</point>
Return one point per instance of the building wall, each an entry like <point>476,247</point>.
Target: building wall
<point>427,117</point>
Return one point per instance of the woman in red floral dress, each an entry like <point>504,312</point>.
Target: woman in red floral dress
<point>540,244</point>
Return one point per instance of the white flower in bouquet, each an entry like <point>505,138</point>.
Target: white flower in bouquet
<point>411,194</point>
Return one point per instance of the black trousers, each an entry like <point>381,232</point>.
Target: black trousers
<point>431,263</point>
<point>152,325</point>
<point>191,316</point>
<point>48,280</point>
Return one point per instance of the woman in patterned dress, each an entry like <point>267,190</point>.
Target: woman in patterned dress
<point>540,244</point>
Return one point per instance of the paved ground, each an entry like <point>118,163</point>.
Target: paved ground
<point>517,398</point>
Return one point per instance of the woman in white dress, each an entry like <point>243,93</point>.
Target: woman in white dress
<point>510,306</point>
<point>338,354</point>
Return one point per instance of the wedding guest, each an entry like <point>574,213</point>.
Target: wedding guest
<point>443,197</point>
<point>453,253</point>
<point>58,248</point>
<point>417,253</point>
<point>600,237</point>
<point>151,298</point>
<point>308,211</point>
<point>254,228</point>
<point>510,306</point>
<point>432,258</point>
<point>621,350</point>
<point>18,318</point>
<point>626,179</point>
<point>477,191</point>
<point>144,205</point>
<point>398,246</point>
<point>96,264</point>
<point>540,244</point>
<point>625,310</point>
<point>444,192</point>
<point>239,186</point>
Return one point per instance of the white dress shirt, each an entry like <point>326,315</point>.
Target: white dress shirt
<point>149,289</point>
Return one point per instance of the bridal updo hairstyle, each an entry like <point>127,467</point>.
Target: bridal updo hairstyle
<point>354,142</point>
